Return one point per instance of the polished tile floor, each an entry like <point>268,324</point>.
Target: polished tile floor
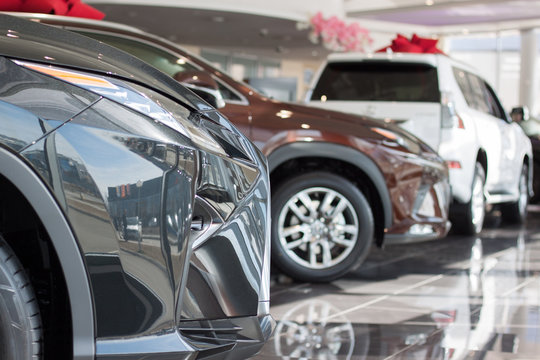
<point>456,298</point>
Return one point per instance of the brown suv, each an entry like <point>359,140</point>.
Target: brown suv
<point>340,182</point>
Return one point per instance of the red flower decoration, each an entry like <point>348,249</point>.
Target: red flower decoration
<point>56,7</point>
<point>416,44</point>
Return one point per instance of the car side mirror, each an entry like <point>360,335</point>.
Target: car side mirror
<point>202,84</point>
<point>519,114</point>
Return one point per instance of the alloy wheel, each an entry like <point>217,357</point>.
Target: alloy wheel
<point>318,227</point>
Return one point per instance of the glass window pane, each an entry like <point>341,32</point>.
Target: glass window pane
<point>161,59</point>
<point>376,81</point>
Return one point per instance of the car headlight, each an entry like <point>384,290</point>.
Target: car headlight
<point>141,99</point>
<point>228,165</point>
<point>395,140</point>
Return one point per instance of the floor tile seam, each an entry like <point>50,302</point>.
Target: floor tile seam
<point>401,310</point>
<point>518,287</point>
<point>419,284</point>
<point>468,324</point>
<point>385,297</point>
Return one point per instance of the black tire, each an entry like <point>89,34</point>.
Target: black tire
<point>516,212</point>
<point>20,322</point>
<point>468,219</point>
<point>343,236</point>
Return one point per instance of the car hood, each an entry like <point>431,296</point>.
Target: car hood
<point>24,40</point>
<point>339,122</point>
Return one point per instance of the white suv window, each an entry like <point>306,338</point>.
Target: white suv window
<point>479,94</point>
<point>369,81</point>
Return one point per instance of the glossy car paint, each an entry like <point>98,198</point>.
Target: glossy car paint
<point>201,265</point>
<point>368,155</point>
<point>391,175</point>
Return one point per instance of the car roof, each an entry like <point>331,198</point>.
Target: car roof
<point>405,57</point>
<point>71,20</point>
<point>31,41</point>
<point>430,59</point>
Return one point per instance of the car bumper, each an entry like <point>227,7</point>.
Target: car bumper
<point>237,338</point>
<point>426,216</point>
<point>426,231</point>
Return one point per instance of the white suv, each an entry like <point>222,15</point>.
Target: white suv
<point>446,104</point>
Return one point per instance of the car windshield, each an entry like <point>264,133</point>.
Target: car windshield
<point>133,220</point>
<point>377,81</point>
<point>162,60</point>
<point>159,58</point>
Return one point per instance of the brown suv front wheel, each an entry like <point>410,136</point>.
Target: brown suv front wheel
<point>322,227</point>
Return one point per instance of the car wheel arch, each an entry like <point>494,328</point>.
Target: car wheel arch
<point>529,162</point>
<point>482,158</point>
<point>360,161</point>
<point>22,177</point>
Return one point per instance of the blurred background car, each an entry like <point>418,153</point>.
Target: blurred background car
<point>451,107</point>
<point>93,140</point>
<point>531,127</point>
<point>132,228</point>
<point>340,183</point>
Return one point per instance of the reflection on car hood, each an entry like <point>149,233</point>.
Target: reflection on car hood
<point>25,39</point>
<point>341,123</point>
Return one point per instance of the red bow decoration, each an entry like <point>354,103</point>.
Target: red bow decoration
<point>416,44</point>
<point>55,7</point>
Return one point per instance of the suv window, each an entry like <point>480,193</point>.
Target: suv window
<point>463,83</point>
<point>378,81</point>
<point>478,94</point>
<point>495,107</point>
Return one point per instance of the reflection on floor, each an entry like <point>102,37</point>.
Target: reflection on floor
<point>456,298</point>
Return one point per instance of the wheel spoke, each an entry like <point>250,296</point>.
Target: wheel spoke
<point>347,229</point>
<point>313,254</point>
<point>344,242</point>
<point>308,203</point>
<point>327,255</point>
<point>327,201</point>
<point>296,210</point>
<point>338,210</point>
<point>296,243</point>
<point>295,229</point>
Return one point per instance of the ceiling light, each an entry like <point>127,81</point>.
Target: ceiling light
<point>429,2</point>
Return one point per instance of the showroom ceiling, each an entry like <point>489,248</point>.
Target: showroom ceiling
<point>234,26</point>
<point>439,14</point>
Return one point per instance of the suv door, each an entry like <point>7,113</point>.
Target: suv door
<point>405,93</point>
<point>495,135</point>
<point>510,165</point>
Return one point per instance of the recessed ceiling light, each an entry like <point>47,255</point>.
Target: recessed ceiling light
<point>429,2</point>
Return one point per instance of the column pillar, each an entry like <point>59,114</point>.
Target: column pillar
<point>527,79</point>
